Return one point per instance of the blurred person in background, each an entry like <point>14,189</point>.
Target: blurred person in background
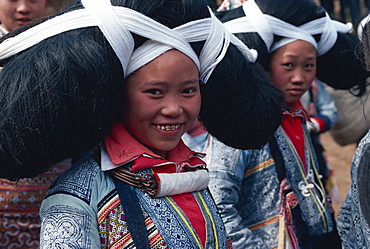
<point>354,214</point>
<point>354,11</point>
<point>328,6</point>
<point>15,13</point>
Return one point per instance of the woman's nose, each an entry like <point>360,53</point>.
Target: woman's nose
<point>172,107</point>
<point>23,7</point>
<point>298,76</point>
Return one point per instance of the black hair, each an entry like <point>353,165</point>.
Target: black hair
<point>366,44</point>
<point>364,159</point>
<point>62,96</point>
<point>339,67</point>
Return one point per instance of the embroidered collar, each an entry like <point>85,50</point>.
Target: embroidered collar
<point>122,148</point>
<point>296,110</point>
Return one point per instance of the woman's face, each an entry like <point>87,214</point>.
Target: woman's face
<point>162,100</point>
<point>15,13</point>
<point>293,68</point>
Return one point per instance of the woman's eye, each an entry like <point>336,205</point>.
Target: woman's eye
<point>189,90</point>
<point>310,65</point>
<point>288,64</point>
<point>154,91</point>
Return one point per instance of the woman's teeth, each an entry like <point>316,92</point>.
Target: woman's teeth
<point>167,127</point>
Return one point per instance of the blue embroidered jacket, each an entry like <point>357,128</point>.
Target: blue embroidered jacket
<point>82,210</point>
<point>245,186</point>
<point>353,228</point>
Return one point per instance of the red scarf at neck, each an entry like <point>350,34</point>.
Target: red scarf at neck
<point>292,125</point>
<point>122,148</point>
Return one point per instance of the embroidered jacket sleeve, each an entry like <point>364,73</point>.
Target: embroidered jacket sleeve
<point>67,216</point>
<point>226,167</point>
<point>327,111</point>
<point>353,228</point>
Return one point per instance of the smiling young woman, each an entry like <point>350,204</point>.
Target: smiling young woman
<point>123,80</point>
<point>162,100</point>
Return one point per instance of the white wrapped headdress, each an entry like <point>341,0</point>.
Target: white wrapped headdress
<point>267,26</point>
<point>116,23</point>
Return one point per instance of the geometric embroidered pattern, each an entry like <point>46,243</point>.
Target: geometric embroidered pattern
<point>63,230</point>
<point>77,180</point>
<point>113,228</point>
<point>19,230</point>
<point>19,207</point>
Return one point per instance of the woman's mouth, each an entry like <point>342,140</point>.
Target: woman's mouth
<point>296,91</point>
<point>23,21</point>
<point>167,127</point>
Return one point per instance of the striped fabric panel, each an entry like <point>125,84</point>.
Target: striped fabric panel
<point>109,205</point>
<point>155,239</point>
<point>264,223</point>
<point>113,228</point>
<point>258,167</point>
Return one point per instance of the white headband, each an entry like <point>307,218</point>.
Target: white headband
<point>116,23</point>
<point>267,26</point>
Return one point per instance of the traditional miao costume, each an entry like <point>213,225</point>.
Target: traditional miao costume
<point>353,218</point>
<point>265,196</point>
<point>274,197</point>
<point>124,195</point>
<point>176,214</point>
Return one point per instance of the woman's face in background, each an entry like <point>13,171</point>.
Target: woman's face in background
<point>15,13</point>
<point>293,68</point>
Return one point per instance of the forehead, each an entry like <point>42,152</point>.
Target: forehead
<point>297,49</point>
<point>12,3</point>
<point>172,66</point>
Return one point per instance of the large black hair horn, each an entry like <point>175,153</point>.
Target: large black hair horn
<point>56,103</point>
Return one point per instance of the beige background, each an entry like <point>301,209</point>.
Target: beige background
<point>340,158</point>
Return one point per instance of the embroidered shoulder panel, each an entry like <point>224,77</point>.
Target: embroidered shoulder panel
<point>60,229</point>
<point>77,180</point>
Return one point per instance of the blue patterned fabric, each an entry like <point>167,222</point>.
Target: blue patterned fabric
<point>63,230</point>
<point>318,221</point>
<point>76,181</point>
<point>84,194</point>
<point>171,226</point>
<point>244,201</point>
<point>245,186</point>
<point>353,228</point>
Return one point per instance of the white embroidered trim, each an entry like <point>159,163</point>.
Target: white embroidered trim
<point>116,23</point>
